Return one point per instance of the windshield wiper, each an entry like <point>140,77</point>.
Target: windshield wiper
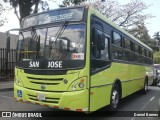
<point>22,42</point>
<point>60,32</point>
<point>37,40</point>
<point>34,34</point>
<point>38,47</point>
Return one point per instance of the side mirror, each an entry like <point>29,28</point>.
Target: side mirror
<point>99,39</point>
<point>94,35</point>
<point>101,42</point>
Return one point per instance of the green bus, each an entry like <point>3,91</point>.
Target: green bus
<point>76,59</point>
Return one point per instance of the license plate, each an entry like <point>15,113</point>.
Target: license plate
<point>41,97</point>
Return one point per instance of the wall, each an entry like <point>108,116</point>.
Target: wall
<point>13,42</point>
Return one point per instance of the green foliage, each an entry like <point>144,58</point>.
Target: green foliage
<point>152,43</point>
<point>156,57</point>
<point>141,33</point>
<point>157,35</point>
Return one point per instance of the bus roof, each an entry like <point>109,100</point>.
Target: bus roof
<point>63,8</point>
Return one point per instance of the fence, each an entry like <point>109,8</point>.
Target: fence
<point>7,63</point>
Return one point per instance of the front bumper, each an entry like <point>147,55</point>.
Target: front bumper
<point>74,101</point>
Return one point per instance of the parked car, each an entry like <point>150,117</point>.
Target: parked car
<point>159,98</point>
<point>156,79</point>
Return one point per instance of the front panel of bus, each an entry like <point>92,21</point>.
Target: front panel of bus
<point>52,66</point>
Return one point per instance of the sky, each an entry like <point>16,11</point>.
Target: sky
<point>153,24</point>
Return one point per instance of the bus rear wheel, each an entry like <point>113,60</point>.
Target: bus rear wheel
<point>115,98</point>
<point>145,89</point>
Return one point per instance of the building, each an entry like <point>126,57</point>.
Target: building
<point>13,41</point>
<point>7,61</point>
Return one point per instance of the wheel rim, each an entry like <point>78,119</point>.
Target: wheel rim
<point>115,98</point>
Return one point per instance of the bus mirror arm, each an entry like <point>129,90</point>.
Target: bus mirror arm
<point>8,38</point>
<point>8,41</point>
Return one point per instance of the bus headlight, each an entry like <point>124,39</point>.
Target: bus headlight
<point>18,81</point>
<point>81,85</point>
<point>73,87</point>
<point>78,84</point>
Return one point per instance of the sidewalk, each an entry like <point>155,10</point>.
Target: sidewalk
<point>6,85</point>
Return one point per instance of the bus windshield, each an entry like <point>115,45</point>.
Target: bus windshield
<point>52,43</point>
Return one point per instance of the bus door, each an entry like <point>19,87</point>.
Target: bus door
<point>100,61</point>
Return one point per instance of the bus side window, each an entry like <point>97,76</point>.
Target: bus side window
<point>95,52</point>
<point>105,52</point>
<point>99,50</point>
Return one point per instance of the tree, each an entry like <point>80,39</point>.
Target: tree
<point>127,15</point>
<point>3,10</point>
<point>156,57</point>
<point>157,38</point>
<point>26,7</point>
<point>67,3</point>
<point>157,35</point>
<point>141,33</point>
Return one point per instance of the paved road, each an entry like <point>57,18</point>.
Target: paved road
<point>135,102</point>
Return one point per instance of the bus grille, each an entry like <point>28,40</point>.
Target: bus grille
<point>45,81</point>
<point>48,99</point>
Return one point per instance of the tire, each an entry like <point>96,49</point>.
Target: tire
<point>115,98</point>
<point>145,89</point>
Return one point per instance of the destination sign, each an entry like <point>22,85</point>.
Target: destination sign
<point>50,64</point>
<point>74,14</point>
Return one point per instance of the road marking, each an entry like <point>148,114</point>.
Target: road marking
<point>147,103</point>
<point>6,97</point>
<point>132,118</point>
<point>145,106</point>
<point>152,98</point>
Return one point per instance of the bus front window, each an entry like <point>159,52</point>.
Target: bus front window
<point>71,42</point>
<point>52,44</point>
<point>31,45</point>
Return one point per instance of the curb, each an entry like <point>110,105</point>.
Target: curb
<point>6,89</point>
<point>6,86</point>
